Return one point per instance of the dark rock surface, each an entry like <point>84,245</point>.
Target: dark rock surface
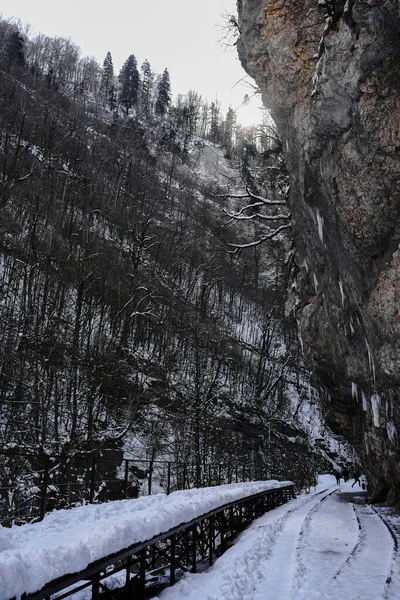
<point>330,74</point>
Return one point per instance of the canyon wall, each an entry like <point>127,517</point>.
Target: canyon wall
<point>330,74</point>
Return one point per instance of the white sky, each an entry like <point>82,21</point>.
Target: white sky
<point>182,35</point>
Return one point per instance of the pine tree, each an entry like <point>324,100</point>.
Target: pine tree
<point>229,128</point>
<point>129,80</point>
<point>146,88</point>
<point>107,82</point>
<point>215,125</point>
<point>15,49</point>
<point>163,94</point>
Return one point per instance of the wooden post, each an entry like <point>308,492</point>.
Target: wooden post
<point>210,540</point>
<point>92,480</point>
<point>222,530</point>
<point>142,574</point>
<point>96,586</point>
<point>194,549</point>
<point>173,561</point>
<point>43,491</point>
<point>169,479</point>
<point>184,475</point>
<point>128,572</point>
<point>126,479</point>
<point>150,476</point>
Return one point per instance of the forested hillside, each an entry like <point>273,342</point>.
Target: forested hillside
<point>129,316</point>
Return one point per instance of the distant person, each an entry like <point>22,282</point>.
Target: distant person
<point>337,475</point>
<point>356,476</point>
<point>345,474</point>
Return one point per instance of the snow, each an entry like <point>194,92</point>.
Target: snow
<point>67,541</point>
<point>316,547</point>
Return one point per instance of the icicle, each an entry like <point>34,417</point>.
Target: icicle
<point>354,394</point>
<point>364,401</point>
<point>320,222</point>
<point>376,404</point>
<point>351,327</point>
<point>391,431</point>
<point>370,360</point>
<point>315,283</point>
<point>305,263</point>
<point>341,291</point>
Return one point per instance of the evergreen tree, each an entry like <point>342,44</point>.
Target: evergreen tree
<point>229,129</point>
<point>146,88</point>
<point>163,94</point>
<point>107,82</point>
<point>129,80</point>
<point>215,125</point>
<point>16,49</point>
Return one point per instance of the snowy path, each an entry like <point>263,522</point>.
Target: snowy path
<point>320,547</point>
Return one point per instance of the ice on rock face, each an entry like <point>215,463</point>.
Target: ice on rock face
<point>364,402</point>
<point>320,222</point>
<point>391,431</point>
<point>341,291</point>
<point>352,330</point>
<point>370,360</point>
<point>315,283</point>
<point>376,404</point>
<point>354,394</point>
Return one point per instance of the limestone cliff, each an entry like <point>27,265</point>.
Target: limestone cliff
<point>330,74</point>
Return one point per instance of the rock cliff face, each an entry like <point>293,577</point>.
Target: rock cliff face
<point>330,74</point>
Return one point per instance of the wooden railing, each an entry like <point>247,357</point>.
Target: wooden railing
<point>179,550</point>
<point>33,484</point>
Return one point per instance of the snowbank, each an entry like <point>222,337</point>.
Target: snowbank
<point>67,541</point>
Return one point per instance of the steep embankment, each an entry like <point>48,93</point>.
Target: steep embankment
<point>329,72</point>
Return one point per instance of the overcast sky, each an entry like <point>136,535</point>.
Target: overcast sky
<point>182,35</point>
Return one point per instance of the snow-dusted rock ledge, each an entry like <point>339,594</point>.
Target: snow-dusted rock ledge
<point>67,541</point>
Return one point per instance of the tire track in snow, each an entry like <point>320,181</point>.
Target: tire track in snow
<point>392,580</point>
<point>282,559</point>
<point>356,547</point>
<point>365,572</point>
<point>329,530</point>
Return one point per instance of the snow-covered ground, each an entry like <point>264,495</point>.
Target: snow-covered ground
<point>320,546</point>
<point>317,547</point>
<point>67,541</point>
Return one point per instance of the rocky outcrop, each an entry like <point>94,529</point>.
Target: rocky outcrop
<point>330,74</point>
